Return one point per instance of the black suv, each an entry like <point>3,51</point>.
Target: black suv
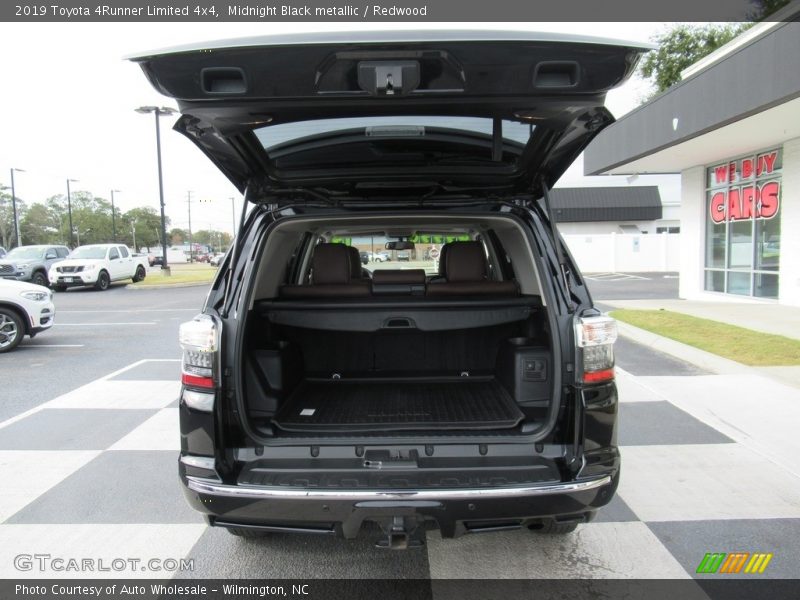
<point>474,389</point>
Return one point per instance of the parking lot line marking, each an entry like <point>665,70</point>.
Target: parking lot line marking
<point>98,324</point>
<point>55,346</point>
<point>131,310</point>
<point>134,365</point>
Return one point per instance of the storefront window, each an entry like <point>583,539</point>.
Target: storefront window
<point>743,200</point>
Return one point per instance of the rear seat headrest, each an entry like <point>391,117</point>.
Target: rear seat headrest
<point>331,264</point>
<point>355,262</point>
<point>465,262</point>
<point>398,276</point>
<point>443,260</point>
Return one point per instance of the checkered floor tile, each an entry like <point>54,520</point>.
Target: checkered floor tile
<point>706,468</point>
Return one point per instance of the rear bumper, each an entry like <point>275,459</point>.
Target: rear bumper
<point>456,511</point>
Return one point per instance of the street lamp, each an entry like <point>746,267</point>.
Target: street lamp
<point>165,111</point>
<point>14,205</point>
<point>114,219</point>
<point>69,209</point>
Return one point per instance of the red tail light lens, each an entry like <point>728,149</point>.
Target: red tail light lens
<point>199,340</point>
<point>594,338</point>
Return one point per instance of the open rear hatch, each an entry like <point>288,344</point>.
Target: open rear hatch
<point>514,108</point>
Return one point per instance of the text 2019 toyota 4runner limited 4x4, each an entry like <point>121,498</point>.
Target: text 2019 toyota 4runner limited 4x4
<point>475,391</point>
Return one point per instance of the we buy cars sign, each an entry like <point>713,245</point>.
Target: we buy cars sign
<point>760,200</point>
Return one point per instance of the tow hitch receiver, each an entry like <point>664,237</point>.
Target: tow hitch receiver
<point>402,533</point>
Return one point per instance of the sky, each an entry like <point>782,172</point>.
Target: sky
<point>68,100</point>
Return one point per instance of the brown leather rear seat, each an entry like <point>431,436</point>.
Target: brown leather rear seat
<point>465,269</point>
<point>332,276</point>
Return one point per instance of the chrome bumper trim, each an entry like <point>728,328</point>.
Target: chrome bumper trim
<point>237,491</point>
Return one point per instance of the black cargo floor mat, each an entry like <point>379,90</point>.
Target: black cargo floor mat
<point>398,405</point>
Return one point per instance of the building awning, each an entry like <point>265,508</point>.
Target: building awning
<point>746,101</point>
<point>635,203</point>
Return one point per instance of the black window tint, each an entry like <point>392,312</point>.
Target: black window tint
<point>113,254</point>
<point>124,251</point>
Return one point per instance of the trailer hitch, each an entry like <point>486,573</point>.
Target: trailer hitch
<point>402,533</point>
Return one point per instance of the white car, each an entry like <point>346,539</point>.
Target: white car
<point>25,309</point>
<point>97,265</point>
<point>216,259</point>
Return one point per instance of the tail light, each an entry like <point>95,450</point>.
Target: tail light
<point>199,341</point>
<point>595,337</point>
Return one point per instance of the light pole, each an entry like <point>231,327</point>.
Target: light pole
<point>133,234</point>
<point>114,219</point>
<point>14,206</point>
<point>69,209</point>
<point>165,111</point>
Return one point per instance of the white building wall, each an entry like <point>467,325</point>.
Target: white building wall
<point>626,253</point>
<point>692,235</point>
<point>789,292</point>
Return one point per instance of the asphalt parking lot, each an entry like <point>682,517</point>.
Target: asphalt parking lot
<point>88,435</point>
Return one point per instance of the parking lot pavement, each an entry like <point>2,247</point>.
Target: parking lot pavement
<point>95,472</point>
<point>94,333</point>
<point>616,286</point>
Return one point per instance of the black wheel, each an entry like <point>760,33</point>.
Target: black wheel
<point>247,533</point>
<point>103,281</point>
<point>552,527</point>
<point>140,274</point>
<point>39,278</point>
<point>60,288</point>
<point>12,329</point>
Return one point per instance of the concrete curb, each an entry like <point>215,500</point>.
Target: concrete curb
<point>132,286</point>
<point>701,358</point>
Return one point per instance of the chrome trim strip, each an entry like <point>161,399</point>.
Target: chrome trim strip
<point>237,491</point>
<point>199,462</point>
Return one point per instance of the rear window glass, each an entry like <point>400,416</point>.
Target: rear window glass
<point>401,126</point>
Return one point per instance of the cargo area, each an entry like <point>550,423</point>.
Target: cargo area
<point>410,366</point>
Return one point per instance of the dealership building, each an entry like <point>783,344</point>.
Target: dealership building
<point>731,128</point>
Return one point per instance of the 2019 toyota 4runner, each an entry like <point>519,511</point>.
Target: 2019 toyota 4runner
<point>476,392</point>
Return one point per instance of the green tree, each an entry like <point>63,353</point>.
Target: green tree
<point>681,47</point>
<point>212,237</point>
<point>178,236</point>
<point>41,225</point>
<point>7,231</point>
<point>145,223</point>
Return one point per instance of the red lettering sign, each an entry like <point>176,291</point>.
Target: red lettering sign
<point>717,207</point>
<point>720,175</point>
<point>747,168</point>
<point>769,200</point>
<point>766,163</point>
<point>746,202</point>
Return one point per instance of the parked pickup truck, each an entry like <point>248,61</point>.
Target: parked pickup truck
<point>97,265</point>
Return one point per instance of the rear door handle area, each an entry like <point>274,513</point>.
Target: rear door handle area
<point>399,323</point>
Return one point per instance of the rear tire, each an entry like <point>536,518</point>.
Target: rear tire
<point>553,527</point>
<point>103,281</point>
<point>244,532</point>
<point>12,329</point>
<point>39,278</point>
<point>140,274</point>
